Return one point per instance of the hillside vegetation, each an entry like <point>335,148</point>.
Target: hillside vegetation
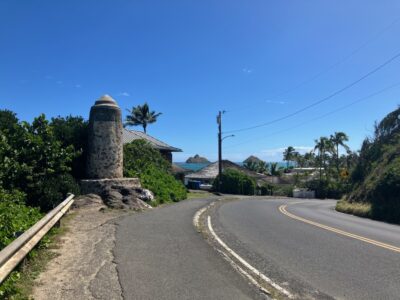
<point>376,176</point>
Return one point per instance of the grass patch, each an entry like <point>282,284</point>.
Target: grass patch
<point>21,281</point>
<point>200,194</point>
<point>354,208</point>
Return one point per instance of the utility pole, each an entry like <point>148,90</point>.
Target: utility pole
<point>219,121</point>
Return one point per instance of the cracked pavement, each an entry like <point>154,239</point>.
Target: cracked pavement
<point>84,267</point>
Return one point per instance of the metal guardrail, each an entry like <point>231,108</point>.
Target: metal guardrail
<point>15,252</point>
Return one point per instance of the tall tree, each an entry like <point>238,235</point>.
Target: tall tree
<point>323,145</point>
<point>274,169</point>
<point>339,139</point>
<point>288,155</point>
<point>309,158</point>
<point>141,115</point>
<point>262,167</point>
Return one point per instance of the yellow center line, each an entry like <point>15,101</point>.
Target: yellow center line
<point>283,210</point>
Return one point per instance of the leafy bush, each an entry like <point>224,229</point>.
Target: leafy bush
<point>327,189</point>
<point>235,182</point>
<point>55,190</point>
<point>31,157</point>
<point>143,161</point>
<point>385,195</point>
<point>285,190</point>
<point>15,218</point>
<point>139,155</point>
<point>73,131</point>
<point>164,186</point>
<point>265,189</point>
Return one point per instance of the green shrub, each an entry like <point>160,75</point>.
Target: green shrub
<point>73,130</point>
<point>31,157</point>
<point>15,218</point>
<point>285,190</point>
<point>164,186</point>
<point>54,190</point>
<point>143,161</point>
<point>140,155</point>
<point>265,189</point>
<point>327,189</point>
<point>385,195</point>
<point>235,182</point>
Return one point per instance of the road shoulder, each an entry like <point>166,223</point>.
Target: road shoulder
<point>84,267</point>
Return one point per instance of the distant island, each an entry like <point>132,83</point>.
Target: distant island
<point>252,159</point>
<point>197,159</point>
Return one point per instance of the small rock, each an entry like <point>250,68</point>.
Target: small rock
<point>113,198</point>
<point>146,195</point>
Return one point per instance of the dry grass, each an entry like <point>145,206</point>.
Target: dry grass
<point>355,208</point>
<point>199,194</point>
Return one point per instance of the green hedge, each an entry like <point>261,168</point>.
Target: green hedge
<point>235,182</point>
<point>15,218</point>
<point>34,161</point>
<point>164,186</point>
<point>143,161</point>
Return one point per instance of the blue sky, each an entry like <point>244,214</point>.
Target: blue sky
<point>258,60</point>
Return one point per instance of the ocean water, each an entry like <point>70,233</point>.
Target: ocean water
<point>192,167</point>
<point>196,167</point>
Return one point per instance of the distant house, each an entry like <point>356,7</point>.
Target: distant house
<point>165,149</point>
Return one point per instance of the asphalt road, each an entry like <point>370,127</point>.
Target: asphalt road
<point>309,259</point>
<point>160,255</point>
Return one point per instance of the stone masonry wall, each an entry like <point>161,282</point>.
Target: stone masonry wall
<point>105,155</point>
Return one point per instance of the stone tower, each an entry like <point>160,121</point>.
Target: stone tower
<point>105,146</point>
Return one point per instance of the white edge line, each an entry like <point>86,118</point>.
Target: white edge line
<point>196,217</point>
<point>243,272</point>
<point>246,264</point>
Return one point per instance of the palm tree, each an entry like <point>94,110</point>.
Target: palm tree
<point>309,159</point>
<point>323,145</point>
<point>299,159</point>
<point>339,139</point>
<point>262,167</point>
<point>274,169</point>
<point>141,115</point>
<point>288,155</point>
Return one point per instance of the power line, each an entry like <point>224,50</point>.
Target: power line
<point>322,100</point>
<point>339,62</point>
<point>332,66</point>
<point>322,116</point>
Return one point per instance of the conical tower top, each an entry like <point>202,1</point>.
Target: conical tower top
<point>106,100</point>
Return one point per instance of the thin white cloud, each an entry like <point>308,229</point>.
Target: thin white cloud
<point>124,94</point>
<point>247,71</point>
<point>59,82</point>
<point>78,86</point>
<point>281,102</point>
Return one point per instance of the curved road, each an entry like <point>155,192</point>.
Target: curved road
<point>312,250</point>
<point>160,255</point>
